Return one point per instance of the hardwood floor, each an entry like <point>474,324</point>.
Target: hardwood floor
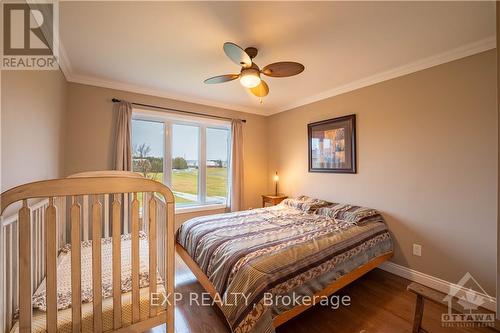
<point>379,304</point>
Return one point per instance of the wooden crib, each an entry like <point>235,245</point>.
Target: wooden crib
<point>86,207</point>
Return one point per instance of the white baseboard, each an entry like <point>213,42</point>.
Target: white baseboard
<point>432,282</point>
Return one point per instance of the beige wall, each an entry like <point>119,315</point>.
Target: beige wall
<point>33,110</point>
<point>89,136</point>
<point>427,152</point>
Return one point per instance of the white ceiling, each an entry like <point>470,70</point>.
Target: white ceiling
<point>169,48</point>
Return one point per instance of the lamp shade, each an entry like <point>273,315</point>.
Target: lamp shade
<point>250,78</point>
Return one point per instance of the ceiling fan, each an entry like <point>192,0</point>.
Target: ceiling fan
<point>250,73</point>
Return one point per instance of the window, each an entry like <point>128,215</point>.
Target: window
<point>185,163</point>
<point>188,154</point>
<point>217,165</point>
<point>148,148</point>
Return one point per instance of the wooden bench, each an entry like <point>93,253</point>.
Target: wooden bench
<point>425,293</point>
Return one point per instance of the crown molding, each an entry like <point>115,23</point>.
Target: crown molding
<point>69,73</point>
<point>451,55</point>
<point>438,59</point>
<point>92,81</point>
<point>64,62</point>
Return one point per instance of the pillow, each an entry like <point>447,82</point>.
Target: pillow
<point>305,203</point>
<point>350,213</point>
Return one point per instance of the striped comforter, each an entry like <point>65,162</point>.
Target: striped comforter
<point>276,251</point>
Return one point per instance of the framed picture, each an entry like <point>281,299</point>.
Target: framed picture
<point>332,145</point>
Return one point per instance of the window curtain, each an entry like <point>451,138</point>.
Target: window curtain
<point>236,199</point>
<point>123,136</point>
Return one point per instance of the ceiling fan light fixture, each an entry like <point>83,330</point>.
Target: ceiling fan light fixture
<point>250,73</point>
<point>250,78</point>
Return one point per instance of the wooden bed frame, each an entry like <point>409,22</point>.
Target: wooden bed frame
<point>94,186</point>
<point>285,316</point>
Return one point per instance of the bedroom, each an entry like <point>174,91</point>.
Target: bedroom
<point>127,93</point>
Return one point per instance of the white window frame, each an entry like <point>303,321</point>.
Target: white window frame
<point>168,119</point>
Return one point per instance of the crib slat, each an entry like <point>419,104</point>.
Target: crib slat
<point>145,212</point>
<point>51,265</point>
<point>161,233</point>
<point>126,203</point>
<point>85,217</point>
<point>10,271</point>
<point>117,299</point>
<point>62,214</point>
<point>152,254</point>
<point>135,260</point>
<point>41,220</point>
<point>62,220</point>
<point>34,237</point>
<point>106,215</point>
<point>76,288</point>
<point>96,264</point>
<point>3,325</point>
<point>15,267</point>
<point>170,276</point>
<point>38,245</point>
<point>24,269</point>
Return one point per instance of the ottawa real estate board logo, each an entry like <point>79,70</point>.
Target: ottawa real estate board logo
<point>466,306</point>
<point>29,37</point>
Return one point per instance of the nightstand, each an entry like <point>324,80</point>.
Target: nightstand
<point>272,199</point>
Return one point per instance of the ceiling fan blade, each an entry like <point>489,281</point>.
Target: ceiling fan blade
<point>283,69</point>
<point>261,90</point>
<point>237,54</point>
<point>222,78</point>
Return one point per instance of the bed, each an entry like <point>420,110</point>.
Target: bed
<point>265,266</point>
<point>84,288</point>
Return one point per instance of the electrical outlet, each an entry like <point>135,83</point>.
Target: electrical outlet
<point>417,250</point>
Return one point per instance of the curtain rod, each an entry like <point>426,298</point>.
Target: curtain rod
<point>116,100</point>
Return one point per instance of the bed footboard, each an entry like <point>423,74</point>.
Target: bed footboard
<point>92,206</point>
